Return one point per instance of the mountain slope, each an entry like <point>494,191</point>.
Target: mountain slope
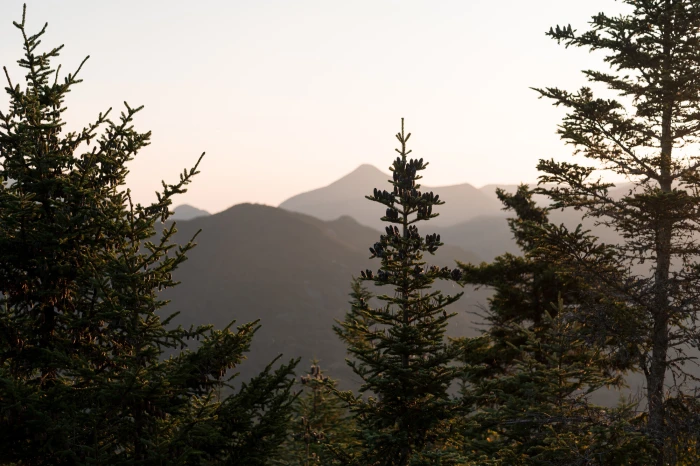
<point>289,270</point>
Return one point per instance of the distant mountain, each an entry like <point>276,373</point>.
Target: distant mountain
<point>187,212</point>
<point>490,189</point>
<point>489,235</point>
<point>471,218</point>
<point>346,196</point>
<point>292,272</point>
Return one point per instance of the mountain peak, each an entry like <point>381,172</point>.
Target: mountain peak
<point>365,176</point>
<point>365,169</point>
<point>346,196</point>
<point>358,182</point>
<point>188,212</point>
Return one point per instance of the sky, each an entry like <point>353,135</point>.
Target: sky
<point>285,96</point>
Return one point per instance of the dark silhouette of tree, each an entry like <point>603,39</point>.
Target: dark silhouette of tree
<point>399,350</point>
<point>524,288</point>
<point>648,135</point>
<point>529,375</point>
<point>538,411</point>
<point>322,428</point>
<point>83,379</point>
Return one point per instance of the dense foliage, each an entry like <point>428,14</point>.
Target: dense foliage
<point>399,350</point>
<point>539,412</point>
<point>92,372</point>
<point>531,373</point>
<point>83,376</point>
<point>648,134</point>
<point>322,428</point>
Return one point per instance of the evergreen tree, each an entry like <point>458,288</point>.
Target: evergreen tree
<point>524,288</point>
<point>322,426</point>
<point>646,135</point>
<point>539,413</point>
<point>83,379</point>
<point>399,350</point>
<point>360,299</point>
<point>507,382</point>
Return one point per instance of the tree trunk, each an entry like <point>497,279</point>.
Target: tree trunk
<point>658,364</point>
<point>660,312</point>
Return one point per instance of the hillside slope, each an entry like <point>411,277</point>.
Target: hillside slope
<point>292,272</point>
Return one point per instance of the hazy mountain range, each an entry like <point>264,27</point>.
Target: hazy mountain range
<point>293,272</point>
<point>291,266</point>
<point>472,218</point>
<point>346,196</point>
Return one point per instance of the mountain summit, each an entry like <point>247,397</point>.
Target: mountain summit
<point>188,212</point>
<point>346,196</point>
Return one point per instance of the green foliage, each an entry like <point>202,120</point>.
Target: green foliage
<point>539,413</point>
<point>683,448</point>
<point>322,428</point>
<point>524,287</point>
<point>356,318</point>
<point>83,378</point>
<point>399,350</point>
<point>645,135</point>
<point>530,373</point>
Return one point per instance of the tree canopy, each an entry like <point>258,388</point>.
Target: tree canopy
<point>648,134</point>
<point>83,374</point>
<point>399,350</point>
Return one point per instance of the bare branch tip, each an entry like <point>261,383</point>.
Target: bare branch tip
<point>7,75</point>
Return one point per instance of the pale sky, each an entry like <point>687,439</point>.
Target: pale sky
<point>286,96</point>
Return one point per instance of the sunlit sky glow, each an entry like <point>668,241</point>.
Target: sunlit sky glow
<point>285,96</point>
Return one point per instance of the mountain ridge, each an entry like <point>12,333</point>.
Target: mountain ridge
<point>346,196</point>
<point>293,272</point>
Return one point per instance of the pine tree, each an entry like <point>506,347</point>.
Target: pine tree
<point>399,350</point>
<point>322,426</point>
<point>539,412</point>
<point>356,318</point>
<point>524,288</point>
<point>83,379</point>
<point>525,342</point>
<point>647,135</point>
